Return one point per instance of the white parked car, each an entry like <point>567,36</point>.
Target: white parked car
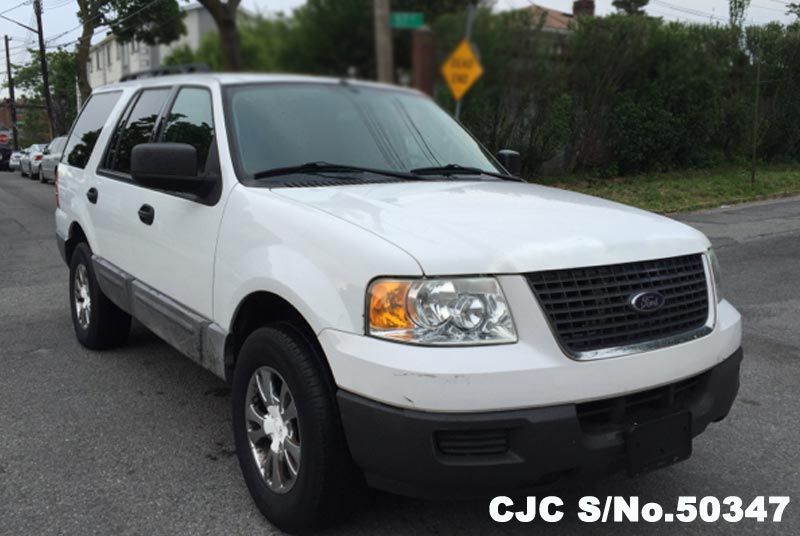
<point>383,295</point>
<point>14,161</point>
<point>50,159</point>
<point>31,160</point>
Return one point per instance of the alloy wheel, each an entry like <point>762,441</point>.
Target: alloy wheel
<point>82,297</point>
<point>273,430</point>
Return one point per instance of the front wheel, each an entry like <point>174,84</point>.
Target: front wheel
<point>98,323</point>
<point>289,442</point>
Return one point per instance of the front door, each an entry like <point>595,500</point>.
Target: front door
<point>175,250</point>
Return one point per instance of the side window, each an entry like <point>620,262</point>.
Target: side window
<point>87,128</point>
<point>137,128</point>
<point>190,121</point>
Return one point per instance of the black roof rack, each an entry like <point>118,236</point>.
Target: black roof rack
<point>167,70</point>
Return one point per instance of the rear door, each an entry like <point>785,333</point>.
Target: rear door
<point>81,153</point>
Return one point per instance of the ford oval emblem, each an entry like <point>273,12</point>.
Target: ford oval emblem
<point>647,302</point>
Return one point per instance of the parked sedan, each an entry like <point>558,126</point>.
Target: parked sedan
<point>13,162</point>
<point>31,162</point>
<point>49,163</point>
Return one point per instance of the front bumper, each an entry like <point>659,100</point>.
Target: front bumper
<point>427,454</point>
<point>532,373</point>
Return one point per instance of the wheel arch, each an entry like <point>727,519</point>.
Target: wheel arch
<point>75,235</point>
<point>262,308</point>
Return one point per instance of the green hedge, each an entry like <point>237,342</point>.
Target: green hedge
<point>618,95</point>
<point>630,94</point>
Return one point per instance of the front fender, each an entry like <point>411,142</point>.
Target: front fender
<point>319,263</point>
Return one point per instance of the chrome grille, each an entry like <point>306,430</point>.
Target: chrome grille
<point>589,308</point>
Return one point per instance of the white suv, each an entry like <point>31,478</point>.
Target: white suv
<point>385,298</point>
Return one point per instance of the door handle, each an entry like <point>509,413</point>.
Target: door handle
<point>91,195</point>
<point>147,214</point>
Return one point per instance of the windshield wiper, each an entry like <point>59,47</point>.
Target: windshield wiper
<point>457,169</point>
<point>326,167</point>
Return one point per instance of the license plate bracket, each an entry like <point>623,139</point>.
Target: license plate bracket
<point>659,442</point>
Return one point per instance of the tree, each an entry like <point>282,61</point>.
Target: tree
<point>61,66</point>
<point>330,37</point>
<point>148,21</point>
<point>630,7</point>
<point>737,10</point>
<point>224,14</point>
<point>793,8</point>
<point>262,41</point>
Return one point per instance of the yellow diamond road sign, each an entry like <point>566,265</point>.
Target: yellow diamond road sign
<point>461,70</point>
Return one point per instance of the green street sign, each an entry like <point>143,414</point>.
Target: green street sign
<point>406,20</point>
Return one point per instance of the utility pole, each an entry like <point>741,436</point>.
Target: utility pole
<point>472,11</point>
<point>384,56</point>
<point>12,102</point>
<point>48,101</point>
<point>755,122</point>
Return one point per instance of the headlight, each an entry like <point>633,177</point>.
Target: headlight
<point>712,258</point>
<point>458,311</point>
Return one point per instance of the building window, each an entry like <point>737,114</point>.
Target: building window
<point>89,66</point>
<point>119,50</point>
<point>97,58</point>
<point>108,55</point>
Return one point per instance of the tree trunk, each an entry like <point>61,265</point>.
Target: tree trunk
<point>229,41</point>
<point>82,58</point>
<point>224,15</point>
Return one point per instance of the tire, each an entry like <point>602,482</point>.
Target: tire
<point>40,176</point>
<point>324,478</point>
<point>100,325</point>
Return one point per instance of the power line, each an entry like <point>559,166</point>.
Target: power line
<point>689,11</point>
<point>24,2</point>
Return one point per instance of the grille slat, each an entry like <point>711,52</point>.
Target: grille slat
<point>678,313</point>
<point>589,308</point>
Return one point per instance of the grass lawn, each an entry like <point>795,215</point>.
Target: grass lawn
<point>682,191</point>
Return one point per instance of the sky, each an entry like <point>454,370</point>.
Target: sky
<point>61,23</point>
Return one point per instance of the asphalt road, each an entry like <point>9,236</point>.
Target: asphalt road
<point>138,440</point>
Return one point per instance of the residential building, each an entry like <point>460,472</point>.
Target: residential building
<point>559,22</point>
<point>110,60</point>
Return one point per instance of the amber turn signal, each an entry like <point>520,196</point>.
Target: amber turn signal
<point>387,305</point>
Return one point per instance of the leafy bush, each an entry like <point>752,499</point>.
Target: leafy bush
<point>616,95</point>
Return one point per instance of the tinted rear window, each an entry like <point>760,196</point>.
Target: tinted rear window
<point>88,127</point>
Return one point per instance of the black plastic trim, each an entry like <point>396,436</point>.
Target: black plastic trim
<point>62,247</point>
<point>397,448</point>
<point>189,332</point>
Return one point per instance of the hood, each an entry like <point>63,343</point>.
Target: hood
<point>501,227</point>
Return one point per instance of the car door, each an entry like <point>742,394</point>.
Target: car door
<point>175,251</point>
<point>116,195</point>
<point>174,235</point>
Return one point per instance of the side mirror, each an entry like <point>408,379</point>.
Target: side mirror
<point>169,166</point>
<point>46,150</point>
<point>510,160</point>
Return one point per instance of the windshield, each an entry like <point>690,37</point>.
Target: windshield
<point>283,125</point>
